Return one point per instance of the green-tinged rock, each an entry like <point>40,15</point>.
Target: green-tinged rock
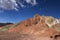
<point>49,21</point>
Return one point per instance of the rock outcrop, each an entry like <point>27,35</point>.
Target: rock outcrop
<point>38,27</point>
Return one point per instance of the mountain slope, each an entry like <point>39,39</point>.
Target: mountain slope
<point>38,25</point>
<point>36,28</point>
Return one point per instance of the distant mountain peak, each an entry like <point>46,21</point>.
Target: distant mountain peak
<point>3,24</point>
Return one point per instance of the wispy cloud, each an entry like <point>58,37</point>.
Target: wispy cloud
<point>32,2</point>
<point>13,4</point>
<point>20,3</point>
<point>28,1</point>
<point>8,4</point>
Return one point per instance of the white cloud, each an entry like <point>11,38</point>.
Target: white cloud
<point>28,1</point>
<point>13,4</point>
<point>8,4</point>
<point>32,2</point>
<point>21,4</point>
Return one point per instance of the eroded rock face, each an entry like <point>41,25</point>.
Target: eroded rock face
<point>57,37</point>
<point>57,27</point>
<point>32,26</point>
<point>38,25</point>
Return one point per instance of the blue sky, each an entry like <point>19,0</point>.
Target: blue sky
<point>29,9</point>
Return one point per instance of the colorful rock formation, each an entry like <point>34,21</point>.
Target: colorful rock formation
<point>38,27</point>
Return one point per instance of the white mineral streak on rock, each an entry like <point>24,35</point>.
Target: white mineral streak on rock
<point>50,21</point>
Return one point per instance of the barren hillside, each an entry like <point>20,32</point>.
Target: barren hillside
<point>40,27</point>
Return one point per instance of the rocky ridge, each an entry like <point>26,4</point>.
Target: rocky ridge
<point>38,27</point>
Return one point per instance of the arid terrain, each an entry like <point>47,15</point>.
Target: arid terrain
<point>35,28</point>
